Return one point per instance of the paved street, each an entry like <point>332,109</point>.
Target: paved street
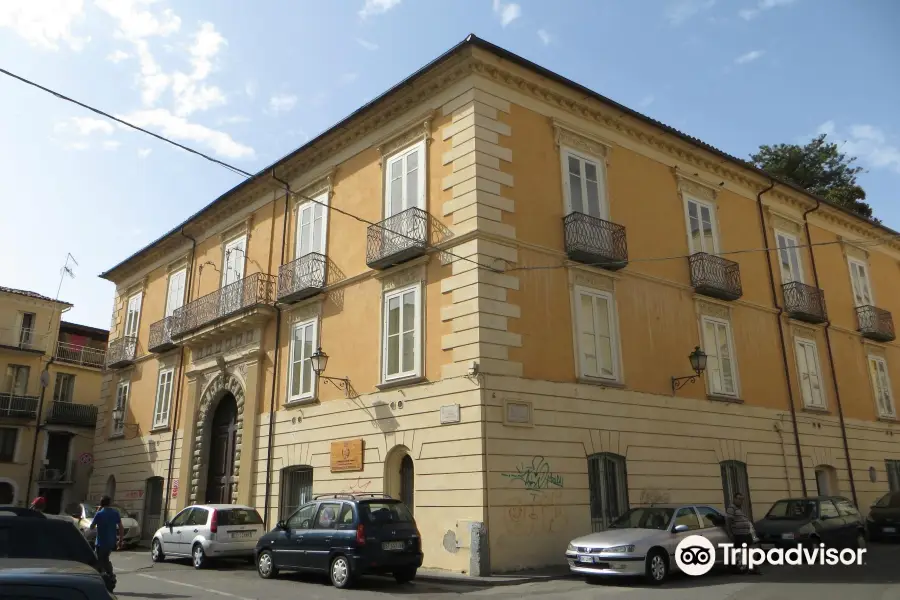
<point>878,579</point>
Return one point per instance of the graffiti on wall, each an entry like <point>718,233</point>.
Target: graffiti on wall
<point>357,487</point>
<point>537,518</point>
<point>536,476</point>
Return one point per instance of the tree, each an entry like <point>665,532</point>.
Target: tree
<point>819,168</point>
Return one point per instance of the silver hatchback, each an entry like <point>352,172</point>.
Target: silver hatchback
<point>205,531</point>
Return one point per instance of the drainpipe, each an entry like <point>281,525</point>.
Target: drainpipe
<point>45,375</point>
<point>784,358</point>
<point>837,392</point>
<point>177,411</point>
<point>287,199</point>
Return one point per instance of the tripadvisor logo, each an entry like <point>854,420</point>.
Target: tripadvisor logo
<point>696,555</point>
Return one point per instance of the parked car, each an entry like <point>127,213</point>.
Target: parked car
<point>642,541</point>
<point>29,535</point>
<point>883,521</point>
<point>31,579</point>
<point>208,531</point>
<point>347,536</point>
<point>832,520</point>
<point>82,515</point>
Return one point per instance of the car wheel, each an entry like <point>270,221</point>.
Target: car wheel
<point>198,557</point>
<point>404,575</point>
<point>156,551</point>
<point>341,575</point>
<point>657,567</point>
<point>265,565</point>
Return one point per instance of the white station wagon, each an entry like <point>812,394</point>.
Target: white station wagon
<point>205,531</point>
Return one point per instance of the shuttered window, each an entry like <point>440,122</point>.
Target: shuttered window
<point>809,373</point>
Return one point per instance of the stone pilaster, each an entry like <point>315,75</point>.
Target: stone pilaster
<point>245,453</point>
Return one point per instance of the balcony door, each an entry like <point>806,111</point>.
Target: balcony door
<point>404,189</point>
<point>132,321</point>
<point>585,192</point>
<point>232,296</point>
<point>859,277</point>
<point>26,336</point>
<point>174,298</point>
<point>311,227</point>
<point>789,258</point>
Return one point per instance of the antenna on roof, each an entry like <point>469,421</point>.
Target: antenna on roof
<point>66,270</point>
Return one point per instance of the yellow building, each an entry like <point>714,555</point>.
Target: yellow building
<point>61,406</point>
<point>507,272</point>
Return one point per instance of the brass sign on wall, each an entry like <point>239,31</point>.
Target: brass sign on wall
<point>346,456</point>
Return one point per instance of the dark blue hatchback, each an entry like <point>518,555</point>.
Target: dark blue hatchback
<point>347,536</point>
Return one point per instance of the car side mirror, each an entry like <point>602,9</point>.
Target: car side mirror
<point>680,529</point>
<point>281,525</point>
<point>167,524</point>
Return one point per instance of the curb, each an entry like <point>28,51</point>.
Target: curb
<point>491,581</point>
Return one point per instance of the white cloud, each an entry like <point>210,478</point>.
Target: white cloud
<point>178,128</point>
<point>234,119</point>
<point>78,146</point>
<point>751,13</point>
<point>144,152</point>
<point>44,23</point>
<point>683,10</point>
<point>250,89</point>
<point>348,78</point>
<point>134,23</point>
<point>507,11</point>
<point>117,56</point>
<point>282,102</point>
<point>647,101</point>
<point>370,46</point>
<point>377,7</point>
<point>868,143</point>
<point>749,57</point>
<point>111,144</point>
<point>85,126</point>
<point>545,37</point>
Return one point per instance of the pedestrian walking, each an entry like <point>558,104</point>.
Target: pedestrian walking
<point>740,528</point>
<point>38,504</point>
<point>110,535</point>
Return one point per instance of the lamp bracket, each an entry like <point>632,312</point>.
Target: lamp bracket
<point>680,382</point>
<point>341,383</point>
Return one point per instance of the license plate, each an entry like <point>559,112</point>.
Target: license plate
<point>890,530</point>
<point>392,545</point>
<point>584,558</point>
<point>241,534</point>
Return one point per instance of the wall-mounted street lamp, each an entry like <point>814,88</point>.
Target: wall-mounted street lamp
<point>698,364</point>
<point>318,361</point>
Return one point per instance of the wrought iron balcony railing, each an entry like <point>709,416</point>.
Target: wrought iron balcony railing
<point>18,407</point>
<point>161,335</point>
<point>69,413</point>
<point>593,241</point>
<point>302,278</point>
<point>397,239</point>
<point>251,291</point>
<point>875,323</point>
<point>57,474</point>
<point>121,352</point>
<point>77,354</point>
<point>804,302</point>
<point>715,276</point>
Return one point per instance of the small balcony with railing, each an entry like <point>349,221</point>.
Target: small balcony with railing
<point>84,356</point>
<point>397,239</point>
<point>593,241</point>
<point>69,413</point>
<point>23,339</point>
<point>58,474</point>
<point>804,302</point>
<point>161,335</point>
<point>238,305</point>
<point>715,276</point>
<point>121,352</point>
<point>875,323</point>
<point>302,278</point>
<point>13,406</point>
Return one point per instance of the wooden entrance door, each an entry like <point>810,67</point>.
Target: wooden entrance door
<point>220,474</point>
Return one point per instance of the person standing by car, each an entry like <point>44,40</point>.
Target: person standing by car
<point>38,504</point>
<point>740,527</point>
<point>108,523</point>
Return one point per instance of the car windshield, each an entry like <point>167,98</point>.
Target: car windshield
<point>891,500</point>
<point>239,516</point>
<point>644,518</point>
<point>385,512</point>
<point>792,510</point>
<point>44,539</point>
<point>90,511</point>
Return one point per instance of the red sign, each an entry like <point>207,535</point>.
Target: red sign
<point>134,494</point>
<point>174,488</point>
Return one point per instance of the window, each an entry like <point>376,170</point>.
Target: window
<point>845,509</point>
<point>26,334</point>
<point>239,516</point>
<point>133,316</point>
<point>710,517</point>
<point>346,517</point>
<point>402,333</point>
<point>303,518</point>
<point>198,517</point>
<point>701,219</point>
<point>585,184</point>
<point>827,510</point>
<point>721,374</point>
<point>312,226</point>
<point>881,385</point>
<point>405,180</point>
<point>64,389</point>
<point>789,257</point>
<point>181,518</point>
<point>235,259</point>
<point>893,472</point>
<point>687,516</point>
<point>810,373</point>
<point>8,437</point>
<point>328,515</point>
<point>301,379</point>
<point>296,488</point>
<point>17,379</point>
<point>735,480</point>
<point>118,416</point>
<point>163,398</point>
<point>175,294</point>
<point>859,279</point>
<point>608,485</point>
<point>597,343</point>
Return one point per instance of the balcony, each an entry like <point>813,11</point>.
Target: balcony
<point>121,352</point>
<point>804,302</point>
<point>301,278</point>
<point>238,300</point>
<point>875,323</point>
<point>397,239</point>
<point>68,413</point>
<point>18,407</point>
<point>595,242</point>
<point>26,340</point>
<point>715,276</point>
<point>85,356</point>
<point>58,475</point>
<point>161,335</point>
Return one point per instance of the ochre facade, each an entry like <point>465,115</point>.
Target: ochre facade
<point>514,369</point>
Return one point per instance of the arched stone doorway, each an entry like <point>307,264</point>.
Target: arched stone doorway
<point>217,442</point>
<point>220,467</point>
<point>111,487</point>
<point>400,476</point>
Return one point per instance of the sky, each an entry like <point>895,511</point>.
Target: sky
<point>249,82</point>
